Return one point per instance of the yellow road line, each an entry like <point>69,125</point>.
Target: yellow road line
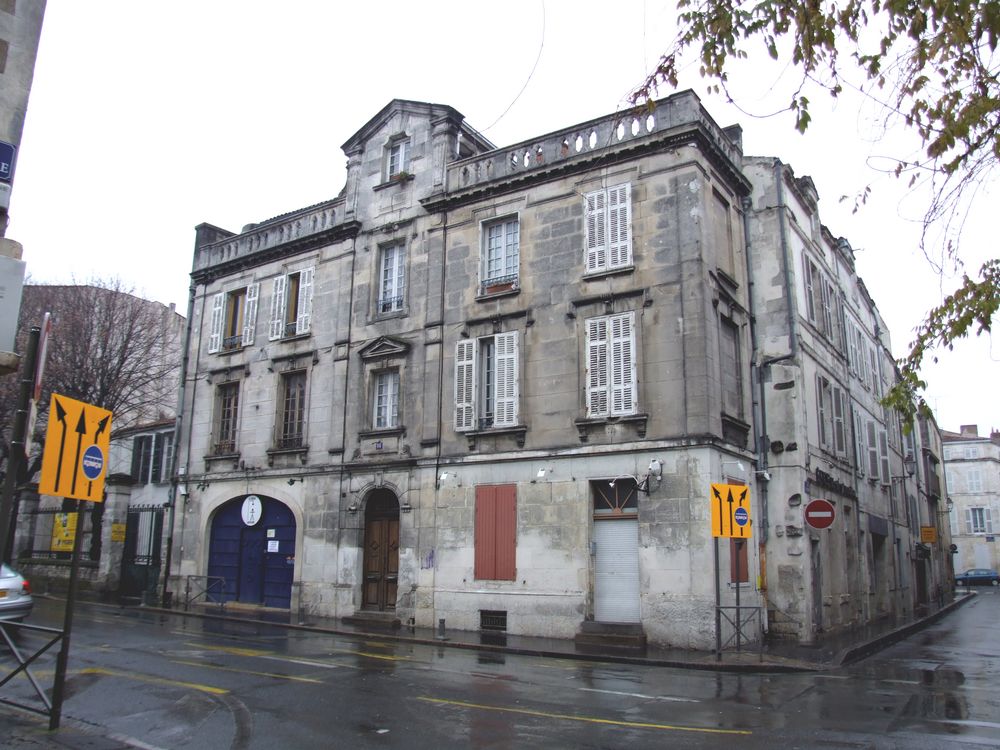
<point>234,650</point>
<point>247,671</point>
<point>586,719</point>
<point>154,680</point>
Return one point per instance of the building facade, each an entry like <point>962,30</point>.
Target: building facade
<point>972,463</point>
<point>522,388</point>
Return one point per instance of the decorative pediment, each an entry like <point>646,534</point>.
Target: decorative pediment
<point>384,347</point>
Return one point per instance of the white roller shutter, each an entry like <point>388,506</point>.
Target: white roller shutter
<point>616,588</point>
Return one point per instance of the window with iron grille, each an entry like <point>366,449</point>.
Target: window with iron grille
<point>386,400</point>
<point>227,412</point>
<point>493,620</point>
<point>392,278</point>
<point>501,255</point>
<point>291,425</point>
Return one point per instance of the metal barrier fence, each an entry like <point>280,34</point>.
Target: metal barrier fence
<point>23,663</point>
<point>745,627</point>
<point>196,587</point>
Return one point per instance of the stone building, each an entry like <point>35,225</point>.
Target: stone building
<point>823,364</point>
<point>491,386</point>
<point>972,464</point>
<point>502,387</point>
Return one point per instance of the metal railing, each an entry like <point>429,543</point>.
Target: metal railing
<point>196,587</point>
<point>746,627</point>
<point>54,636</point>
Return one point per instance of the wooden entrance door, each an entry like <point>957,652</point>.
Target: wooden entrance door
<point>381,558</point>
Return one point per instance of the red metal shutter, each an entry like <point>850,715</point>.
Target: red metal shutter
<point>496,532</point>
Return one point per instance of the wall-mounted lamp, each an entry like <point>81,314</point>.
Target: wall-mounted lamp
<point>738,464</point>
<point>293,480</point>
<point>353,507</point>
<point>202,486</point>
<point>544,472</point>
<point>909,466</point>
<point>764,474</point>
<point>655,470</point>
<point>949,505</point>
<point>405,507</point>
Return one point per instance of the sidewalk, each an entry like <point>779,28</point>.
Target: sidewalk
<point>21,730</point>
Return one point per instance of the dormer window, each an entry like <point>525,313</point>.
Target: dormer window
<point>397,159</point>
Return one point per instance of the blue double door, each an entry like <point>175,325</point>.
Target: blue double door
<point>256,563</point>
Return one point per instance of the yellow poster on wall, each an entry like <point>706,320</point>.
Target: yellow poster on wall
<point>63,532</point>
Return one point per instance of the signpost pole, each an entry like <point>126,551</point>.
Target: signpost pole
<point>718,603</point>
<point>18,436</point>
<point>63,658</point>
<point>739,617</point>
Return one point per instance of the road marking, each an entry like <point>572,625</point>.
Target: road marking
<point>235,651</point>
<point>585,719</point>
<point>247,671</point>
<point>641,695</point>
<point>154,680</point>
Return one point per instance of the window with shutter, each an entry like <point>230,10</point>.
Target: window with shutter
<point>609,229</point>
<point>859,445</point>
<point>386,400</point>
<point>823,410</point>
<point>218,311</point>
<point>291,304</point>
<point>808,271</point>
<point>611,367</point>
<point>496,532</point>
<point>486,382</point>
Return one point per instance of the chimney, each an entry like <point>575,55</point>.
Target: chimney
<point>970,430</point>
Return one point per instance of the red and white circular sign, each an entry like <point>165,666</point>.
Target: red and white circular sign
<point>820,513</point>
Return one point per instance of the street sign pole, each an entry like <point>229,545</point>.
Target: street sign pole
<point>18,435</point>
<point>63,658</point>
<point>718,603</point>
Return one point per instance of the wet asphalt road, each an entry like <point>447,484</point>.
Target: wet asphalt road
<point>163,681</point>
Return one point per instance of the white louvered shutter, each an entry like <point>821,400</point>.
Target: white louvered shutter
<point>839,411</point>
<point>277,327</point>
<point>597,239</point>
<point>872,450</point>
<point>465,383</point>
<point>303,316</point>
<point>988,520</point>
<point>969,527</point>
<point>250,314</point>
<point>622,364</point>
<point>506,397</point>
<point>218,310</point>
<point>597,367</point>
<point>859,445</point>
<point>619,226</point>
<point>883,454</point>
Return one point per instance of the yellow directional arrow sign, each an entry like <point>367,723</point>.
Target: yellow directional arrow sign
<point>730,504</point>
<point>75,461</point>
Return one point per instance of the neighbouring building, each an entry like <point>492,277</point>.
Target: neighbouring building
<point>972,465</point>
<point>132,353</point>
<point>502,387</point>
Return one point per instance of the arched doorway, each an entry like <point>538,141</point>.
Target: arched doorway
<point>381,558</point>
<point>252,549</point>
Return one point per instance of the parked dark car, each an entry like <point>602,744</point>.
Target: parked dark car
<point>15,595</point>
<point>977,577</point>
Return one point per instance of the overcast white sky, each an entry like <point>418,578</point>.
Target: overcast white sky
<point>148,118</point>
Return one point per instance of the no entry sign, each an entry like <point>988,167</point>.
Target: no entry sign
<point>820,513</point>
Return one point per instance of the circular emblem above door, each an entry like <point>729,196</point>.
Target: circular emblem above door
<point>251,510</point>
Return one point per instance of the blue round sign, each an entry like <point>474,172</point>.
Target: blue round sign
<point>93,462</point>
<point>741,517</point>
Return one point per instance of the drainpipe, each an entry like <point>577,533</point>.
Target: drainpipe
<point>175,479</point>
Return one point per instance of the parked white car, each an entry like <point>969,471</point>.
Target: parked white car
<point>15,595</point>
